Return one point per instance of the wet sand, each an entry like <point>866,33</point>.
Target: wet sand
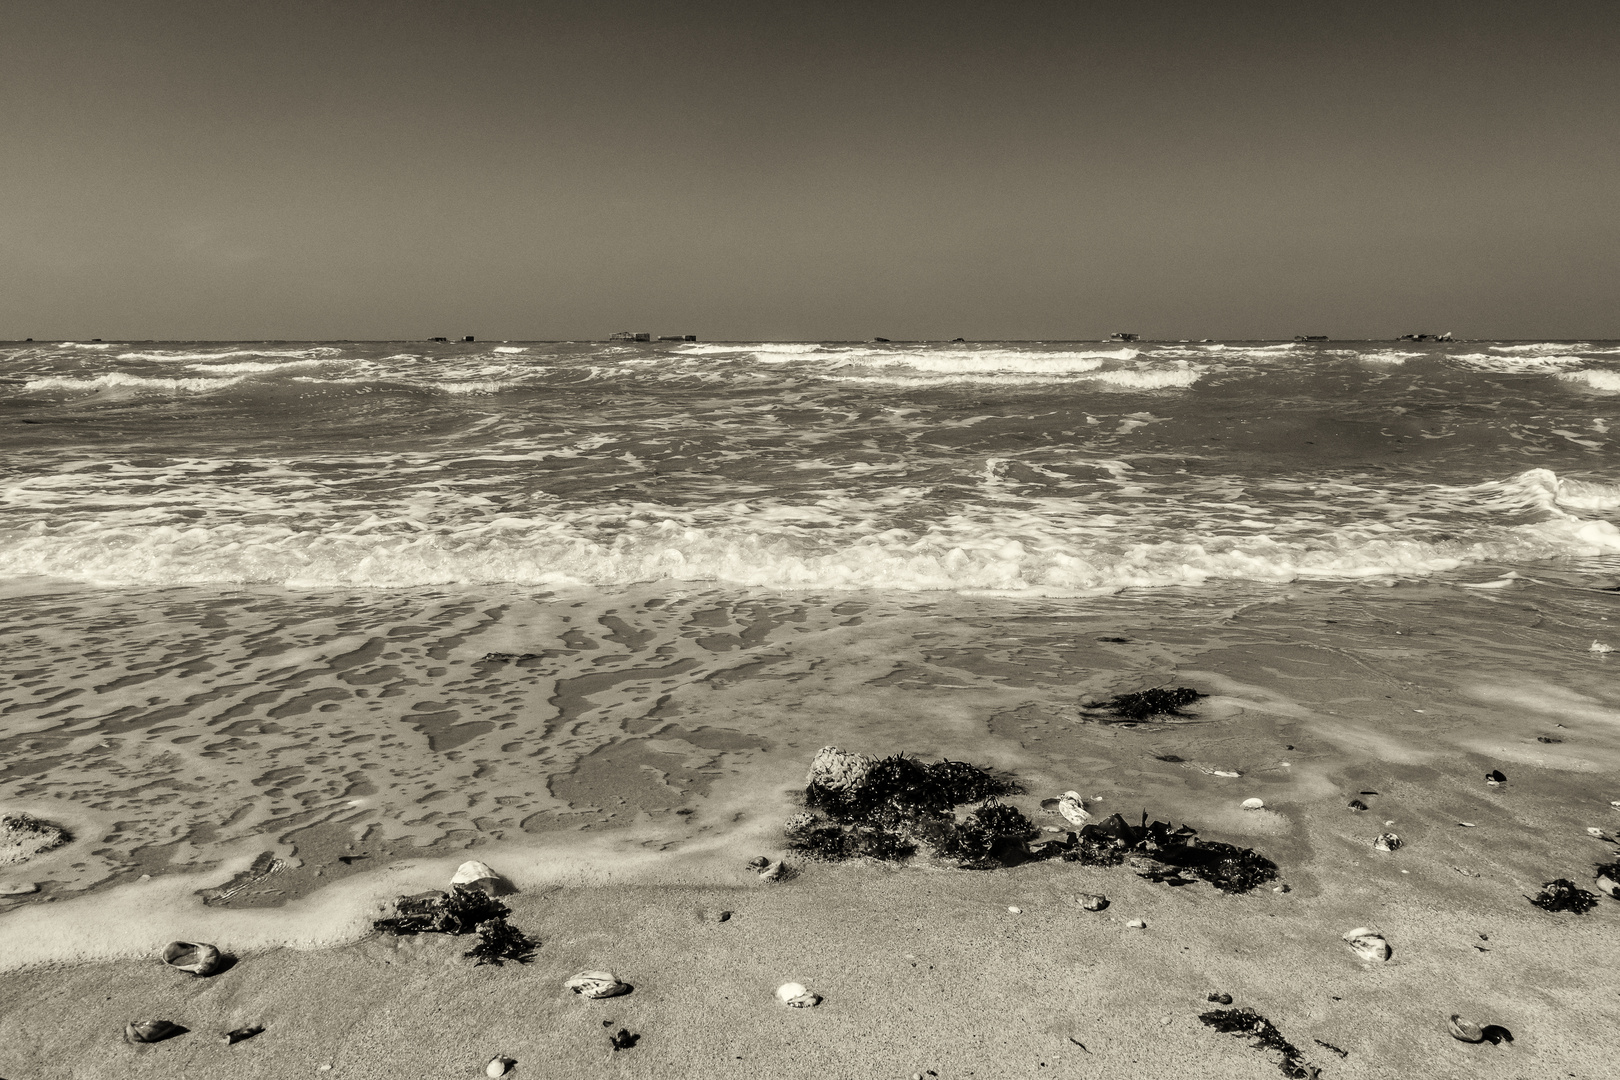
<point>658,743</point>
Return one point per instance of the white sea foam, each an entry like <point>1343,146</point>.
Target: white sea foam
<point>249,367</point>
<point>1531,364</point>
<point>1607,382</point>
<point>121,380</point>
<point>785,348</point>
<point>1150,378</point>
<point>1385,356</point>
<point>313,353</point>
<point>1539,349</point>
<point>511,348</point>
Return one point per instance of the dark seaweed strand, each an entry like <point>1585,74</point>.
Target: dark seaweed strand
<point>1564,895</point>
<point>1250,1024</point>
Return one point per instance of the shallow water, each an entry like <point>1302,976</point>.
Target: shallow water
<point>350,604</point>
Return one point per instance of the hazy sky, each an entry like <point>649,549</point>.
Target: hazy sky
<point>1010,169</point>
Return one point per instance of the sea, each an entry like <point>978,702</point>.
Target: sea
<point>337,606</point>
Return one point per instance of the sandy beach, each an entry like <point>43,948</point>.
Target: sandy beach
<point>924,970</point>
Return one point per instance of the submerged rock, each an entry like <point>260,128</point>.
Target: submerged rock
<point>23,836</point>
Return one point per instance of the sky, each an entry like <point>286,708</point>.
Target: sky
<point>1015,169</point>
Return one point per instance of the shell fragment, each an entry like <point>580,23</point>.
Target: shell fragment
<point>1368,944</point>
<point>1253,804</point>
<point>796,996</point>
<point>597,984</point>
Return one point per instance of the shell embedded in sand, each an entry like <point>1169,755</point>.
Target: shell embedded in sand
<point>498,1066</point>
<point>1137,924</point>
<point>1368,944</point>
<point>796,996</point>
<point>772,871</point>
<point>1608,886</point>
<point>199,958</point>
<point>1092,901</point>
<point>1387,842</point>
<point>473,874</point>
<point>597,984</point>
<point>1253,804</point>
<point>150,1031</point>
<point>1464,1030</point>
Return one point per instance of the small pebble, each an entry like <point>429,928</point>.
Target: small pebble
<point>1281,888</point>
<point>1253,804</point>
<point>1224,999</point>
<point>1137,924</point>
<point>1015,910</point>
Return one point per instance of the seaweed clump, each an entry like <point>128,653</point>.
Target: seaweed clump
<point>1564,895</point>
<point>885,809</point>
<point>1171,854</point>
<point>463,911</point>
<point>1146,704</point>
<point>1263,1035</point>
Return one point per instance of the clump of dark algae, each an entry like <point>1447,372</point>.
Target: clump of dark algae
<point>463,911</point>
<point>1146,704</point>
<point>1170,855</point>
<point>888,809</point>
<point>858,806</point>
<point>1262,1035</point>
<point>1564,895</point>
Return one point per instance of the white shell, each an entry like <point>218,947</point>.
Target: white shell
<point>477,875</point>
<point>1368,944</point>
<point>1594,832</point>
<point>1137,924</point>
<point>498,1067</point>
<point>199,958</point>
<point>1387,842</point>
<point>795,996</point>
<point>1073,808</point>
<point>772,871</point>
<point>1253,804</point>
<point>1608,885</point>
<point>1464,1030</point>
<point>1016,910</point>
<point>596,984</point>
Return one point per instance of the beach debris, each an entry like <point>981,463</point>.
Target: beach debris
<point>20,888</point>
<point>885,809</point>
<point>1464,1030</point>
<point>463,910</point>
<point>1014,910</point>
<point>1590,831</point>
<point>1547,739</point>
<point>1220,998</point>
<point>725,916</point>
<point>758,862</point>
<point>1563,895</point>
<point>623,1039</point>
<point>774,871</point>
<point>151,1031</point>
<point>1281,888</point>
<point>1387,842</point>
<point>1166,854</point>
<point>1600,648</point>
<point>1070,805</point>
<point>796,996</point>
<point>241,1034</point>
<point>1608,879</point>
<point>1253,804</point>
<point>1368,944</point>
<point>1467,825</point>
<point>498,1066</point>
<point>835,770</point>
<point>23,836</point>
<point>1137,924</point>
<point>597,984</point>
<point>262,867</point>
<point>199,958</point>
<point>473,874</point>
<point>1357,804</point>
<point>1092,901</point>
<point>1262,1035</point>
<point>1145,704</point>
<point>1330,1046</point>
<point>1495,777</point>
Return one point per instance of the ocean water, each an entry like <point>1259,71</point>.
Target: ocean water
<point>357,603</point>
